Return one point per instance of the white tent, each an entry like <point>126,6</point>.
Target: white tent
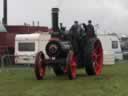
<point>2,28</point>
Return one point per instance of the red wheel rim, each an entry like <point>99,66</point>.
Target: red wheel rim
<point>97,56</point>
<point>73,65</point>
<point>40,66</point>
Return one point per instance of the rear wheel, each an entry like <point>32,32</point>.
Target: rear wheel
<point>40,66</point>
<point>93,57</point>
<point>71,65</point>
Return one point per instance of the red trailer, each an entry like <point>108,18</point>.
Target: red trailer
<point>7,39</point>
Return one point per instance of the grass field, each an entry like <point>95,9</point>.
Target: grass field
<point>112,82</point>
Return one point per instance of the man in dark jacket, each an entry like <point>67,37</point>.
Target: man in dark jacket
<point>75,32</point>
<point>75,29</point>
<point>90,29</point>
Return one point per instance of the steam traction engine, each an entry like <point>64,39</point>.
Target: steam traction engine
<point>62,57</point>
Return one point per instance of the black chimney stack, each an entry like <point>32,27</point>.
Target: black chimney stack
<point>5,12</point>
<point>55,20</point>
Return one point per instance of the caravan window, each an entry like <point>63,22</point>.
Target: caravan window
<point>26,46</point>
<point>114,44</point>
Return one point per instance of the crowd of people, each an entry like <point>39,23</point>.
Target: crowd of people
<point>77,29</point>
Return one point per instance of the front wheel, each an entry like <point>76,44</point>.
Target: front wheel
<point>40,66</point>
<point>93,57</point>
<point>71,65</point>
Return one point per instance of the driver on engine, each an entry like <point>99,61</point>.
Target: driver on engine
<point>75,32</point>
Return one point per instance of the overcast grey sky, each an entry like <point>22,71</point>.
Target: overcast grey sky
<point>111,15</point>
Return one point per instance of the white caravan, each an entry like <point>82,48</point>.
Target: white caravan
<point>27,46</point>
<point>112,48</point>
<point>107,49</point>
<point>116,47</point>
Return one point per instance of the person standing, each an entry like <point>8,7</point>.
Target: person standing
<point>62,28</point>
<point>75,32</point>
<point>90,29</point>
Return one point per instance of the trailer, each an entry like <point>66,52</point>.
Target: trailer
<point>109,56</point>
<point>112,48</point>
<point>116,47</point>
<point>27,45</point>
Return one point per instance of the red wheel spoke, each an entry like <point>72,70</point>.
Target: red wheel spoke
<point>98,58</point>
<point>72,65</point>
